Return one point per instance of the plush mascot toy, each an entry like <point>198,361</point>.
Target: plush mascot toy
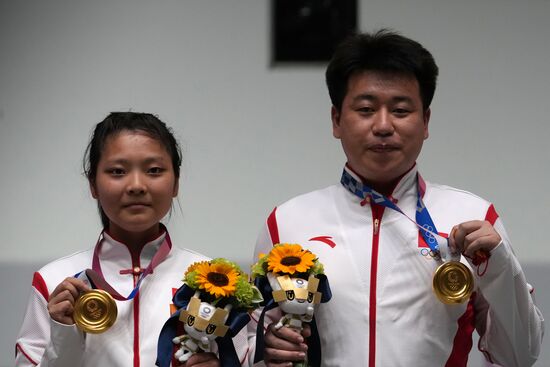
<point>212,306</point>
<point>292,279</point>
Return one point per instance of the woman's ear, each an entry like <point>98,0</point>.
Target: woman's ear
<point>93,189</point>
<point>176,188</point>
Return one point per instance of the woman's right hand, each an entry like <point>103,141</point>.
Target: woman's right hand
<point>62,299</point>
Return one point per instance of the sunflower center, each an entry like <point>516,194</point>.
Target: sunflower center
<point>218,279</point>
<point>290,260</point>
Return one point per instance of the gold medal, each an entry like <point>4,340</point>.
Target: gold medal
<point>95,311</point>
<point>453,282</point>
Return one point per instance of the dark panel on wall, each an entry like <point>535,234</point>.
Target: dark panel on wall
<point>309,30</point>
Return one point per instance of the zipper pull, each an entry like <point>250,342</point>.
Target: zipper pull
<point>376,224</point>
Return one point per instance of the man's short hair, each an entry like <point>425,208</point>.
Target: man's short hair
<point>385,51</point>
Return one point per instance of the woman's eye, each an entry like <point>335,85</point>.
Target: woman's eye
<point>116,171</point>
<point>155,170</point>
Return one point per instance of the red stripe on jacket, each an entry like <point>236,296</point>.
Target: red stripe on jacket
<point>40,285</point>
<point>491,215</point>
<point>20,349</point>
<point>272,226</point>
<point>462,344</point>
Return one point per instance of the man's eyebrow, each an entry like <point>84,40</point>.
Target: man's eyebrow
<point>364,97</point>
<point>370,97</point>
<point>402,99</point>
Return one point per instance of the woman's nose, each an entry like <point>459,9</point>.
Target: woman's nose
<point>136,185</point>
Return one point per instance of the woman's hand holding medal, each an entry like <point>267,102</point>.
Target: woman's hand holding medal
<point>62,300</point>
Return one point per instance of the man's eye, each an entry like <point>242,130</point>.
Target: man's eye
<point>365,110</point>
<point>401,112</point>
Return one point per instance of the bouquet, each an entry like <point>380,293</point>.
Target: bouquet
<point>293,279</point>
<point>213,305</point>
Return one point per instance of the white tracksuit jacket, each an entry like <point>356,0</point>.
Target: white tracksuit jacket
<point>383,312</point>
<point>132,340</point>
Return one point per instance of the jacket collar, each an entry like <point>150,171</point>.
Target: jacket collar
<point>406,183</point>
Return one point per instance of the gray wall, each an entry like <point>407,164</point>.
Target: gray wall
<point>253,135</point>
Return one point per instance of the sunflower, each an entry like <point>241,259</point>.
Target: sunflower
<point>218,279</point>
<point>190,277</point>
<point>289,258</point>
<point>194,266</point>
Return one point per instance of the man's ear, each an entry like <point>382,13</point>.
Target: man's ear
<point>427,115</point>
<point>335,116</point>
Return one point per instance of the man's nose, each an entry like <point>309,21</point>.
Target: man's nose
<point>383,123</point>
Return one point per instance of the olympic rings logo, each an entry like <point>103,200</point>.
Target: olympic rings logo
<point>428,233</point>
<point>429,254</point>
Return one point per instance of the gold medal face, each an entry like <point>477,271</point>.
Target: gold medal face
<point>95,311</point>
<point>453,282</point>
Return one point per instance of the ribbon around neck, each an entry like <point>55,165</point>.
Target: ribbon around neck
<point>424,222</point>
<point>95,275</point>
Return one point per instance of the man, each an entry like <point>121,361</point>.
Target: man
<point>380,266</point>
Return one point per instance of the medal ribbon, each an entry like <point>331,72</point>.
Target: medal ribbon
<point>95,274</point>
<point>424,222</point>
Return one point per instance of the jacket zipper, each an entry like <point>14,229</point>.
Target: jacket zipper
<point>377,212</point>
<point>136,275</point>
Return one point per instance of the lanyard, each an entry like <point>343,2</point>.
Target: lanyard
<point>97,280</point>
<point>424,222</point>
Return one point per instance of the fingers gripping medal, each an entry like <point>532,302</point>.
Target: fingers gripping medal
<point>453,282</point>
<point>95,311</point>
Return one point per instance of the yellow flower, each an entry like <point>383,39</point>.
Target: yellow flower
<point>289,258</point>
<point>194,266</point>
<point>217,279</point>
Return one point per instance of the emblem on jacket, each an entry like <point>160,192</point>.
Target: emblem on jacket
<point>324,239</point>
<point>425,250</point>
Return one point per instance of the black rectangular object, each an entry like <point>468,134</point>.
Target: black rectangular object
<point>309,30</point>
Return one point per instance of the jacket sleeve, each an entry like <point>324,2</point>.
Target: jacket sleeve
<point>510,325</point>
<point>240,341</point>
<point>45,342</point>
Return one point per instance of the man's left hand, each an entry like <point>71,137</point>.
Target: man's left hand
<point>469,237</point>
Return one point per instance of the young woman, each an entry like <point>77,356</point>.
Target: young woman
<point>133,165</point>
